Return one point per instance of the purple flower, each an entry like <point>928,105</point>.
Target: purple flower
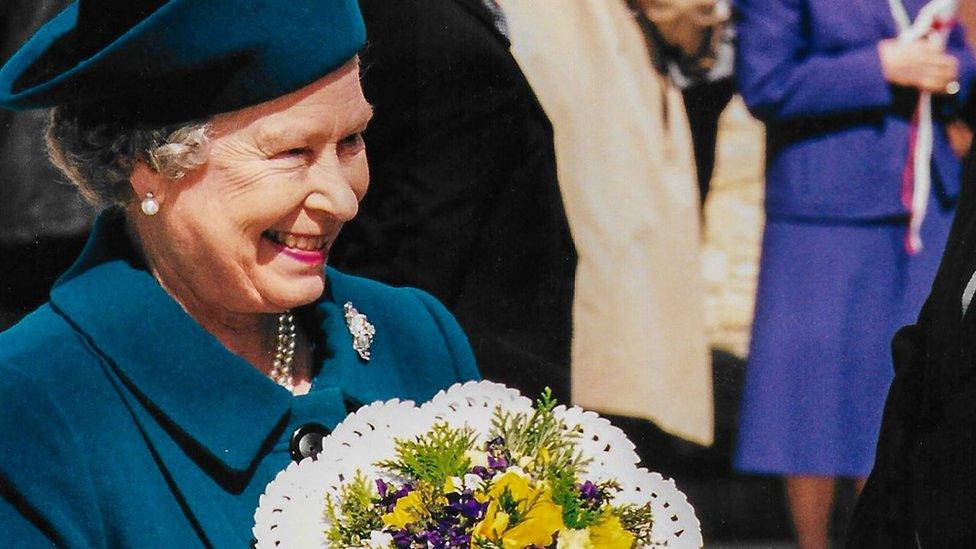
<point>472,509</point>
<point>465,505</point>
<point>402,538</point>
<point>432,537</point>
<point>588,490</point>
<point>388,499</point>
<point>590,493</point>
<point>482,472</point>
<point>404,490</point>
<point>497,464</point>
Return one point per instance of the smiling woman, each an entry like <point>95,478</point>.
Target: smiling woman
<point>252,212</point>
<point>187,355</point>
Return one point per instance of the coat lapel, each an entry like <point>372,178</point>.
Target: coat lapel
<point>164,357</point>
<point>966,326</point>
<point>952,346</point>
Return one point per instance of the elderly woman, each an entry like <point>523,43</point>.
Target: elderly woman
<point>199,344</point>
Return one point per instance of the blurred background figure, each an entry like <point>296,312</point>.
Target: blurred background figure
<point>463,200</point>
<point>837,278</point>
<point>693,42</point>
<point>43,219</point>
<point>626,172</point>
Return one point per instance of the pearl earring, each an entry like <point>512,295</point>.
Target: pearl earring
<point>150,206</point>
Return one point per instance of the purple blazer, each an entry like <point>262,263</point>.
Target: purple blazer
<point>837,132</point>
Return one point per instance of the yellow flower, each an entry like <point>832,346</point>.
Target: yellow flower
<point>515,483</point>
<point>407,510</point>
<point>544,519</point>
<point>494,523</point>
<point>610,534</point>
<point>575,539</point>
<point>540,518</point>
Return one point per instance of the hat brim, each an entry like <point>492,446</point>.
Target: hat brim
<point>192,58</point>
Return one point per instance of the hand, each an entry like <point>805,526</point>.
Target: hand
<point>920,64</point>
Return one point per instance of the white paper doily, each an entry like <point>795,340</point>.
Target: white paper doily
<point>291,513</point>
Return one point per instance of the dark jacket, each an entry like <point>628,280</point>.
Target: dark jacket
<point>463,199</point>
<point>125,424</point>
<point>924,477</point>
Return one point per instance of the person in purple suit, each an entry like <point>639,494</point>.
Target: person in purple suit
<point>840,270</point>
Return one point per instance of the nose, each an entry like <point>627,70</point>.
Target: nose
<point>331,194</point>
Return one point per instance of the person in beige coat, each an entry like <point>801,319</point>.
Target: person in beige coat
<point>625,170</point>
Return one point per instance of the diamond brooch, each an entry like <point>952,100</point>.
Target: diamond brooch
<point>360,328</point>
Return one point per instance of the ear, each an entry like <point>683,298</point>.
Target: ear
<point>146,180</point>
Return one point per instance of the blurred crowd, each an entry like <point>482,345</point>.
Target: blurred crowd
<point>542,172</point>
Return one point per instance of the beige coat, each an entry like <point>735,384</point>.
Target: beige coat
<point>625,169</point>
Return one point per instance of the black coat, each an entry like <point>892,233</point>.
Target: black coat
<point>463,200</point>
<point>922,490</point>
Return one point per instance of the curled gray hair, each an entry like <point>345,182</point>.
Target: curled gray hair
<point>98,154</point>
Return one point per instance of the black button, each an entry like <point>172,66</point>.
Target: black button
<point>306,441</point>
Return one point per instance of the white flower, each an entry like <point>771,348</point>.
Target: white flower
<point>379,540</point>
<point>472,481</point>
<point>513,469</point>
<point>453,484</point>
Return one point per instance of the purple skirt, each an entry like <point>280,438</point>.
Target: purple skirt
<point>830,297</point>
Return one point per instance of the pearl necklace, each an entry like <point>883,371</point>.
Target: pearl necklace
<point>281,370</point>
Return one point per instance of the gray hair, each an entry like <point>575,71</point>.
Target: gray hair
<point>98,153</point>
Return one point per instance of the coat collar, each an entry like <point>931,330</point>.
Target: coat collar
<point>181,373</point>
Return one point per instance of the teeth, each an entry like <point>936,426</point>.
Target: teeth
<point>306,243</point>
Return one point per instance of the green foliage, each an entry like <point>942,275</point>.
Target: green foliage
<point>482,543</point>
<point>577,515</point>
<point>431,497</point>
<point>433,457</point>
<point>510,505</point>
<point>541,436</point>
<point>638,520</point>
<point>355,516</point>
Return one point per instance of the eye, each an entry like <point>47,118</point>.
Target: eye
<point>293,153</point>
<point>350,146</point>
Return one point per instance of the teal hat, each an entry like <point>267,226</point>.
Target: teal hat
<point>176,60</point>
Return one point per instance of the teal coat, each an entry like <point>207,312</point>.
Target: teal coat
<point>125,424</point>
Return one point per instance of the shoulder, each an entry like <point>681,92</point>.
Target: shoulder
<point>40,442</point>
<point>44,366</point>
<point>39,344</point>
<point>393,303</point>
<point>402,306</point>
<point>398,301</point>
<point>49,373</point>
<point>418,318</point>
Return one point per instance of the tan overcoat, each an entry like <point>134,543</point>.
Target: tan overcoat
<point>625,170</point>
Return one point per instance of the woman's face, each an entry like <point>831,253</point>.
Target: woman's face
<point>250,231</point>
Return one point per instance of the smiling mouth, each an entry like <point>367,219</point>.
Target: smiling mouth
<point>305,243</point>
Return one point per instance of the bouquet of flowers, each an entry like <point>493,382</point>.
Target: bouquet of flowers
<point>480,467</point>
